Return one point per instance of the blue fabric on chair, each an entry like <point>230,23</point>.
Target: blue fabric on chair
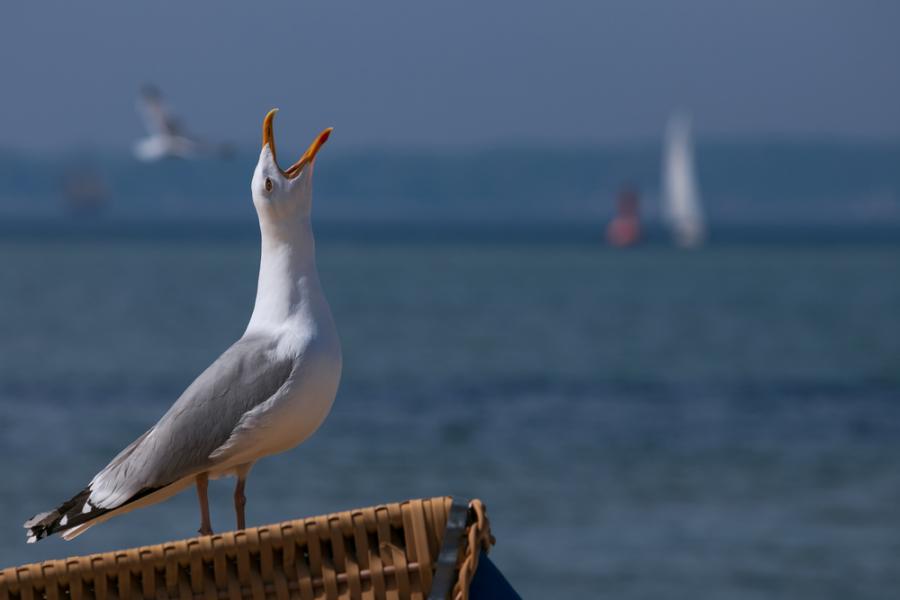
<point>489,583</point>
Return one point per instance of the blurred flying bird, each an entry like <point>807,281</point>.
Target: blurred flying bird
<point>267,393</point>
<point>168,138</point>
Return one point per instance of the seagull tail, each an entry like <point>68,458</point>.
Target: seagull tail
<point>77,515</point>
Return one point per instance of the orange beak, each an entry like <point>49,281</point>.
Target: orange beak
<point>308,156</point>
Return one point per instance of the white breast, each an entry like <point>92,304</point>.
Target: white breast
<point>308,396</point>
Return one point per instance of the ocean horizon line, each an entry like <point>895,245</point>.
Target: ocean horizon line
<point>428,230</point>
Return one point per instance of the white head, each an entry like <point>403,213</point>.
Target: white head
<point>283,197</point>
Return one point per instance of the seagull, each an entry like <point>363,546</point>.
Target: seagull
<point>266,394</point>
<point>168,137</point>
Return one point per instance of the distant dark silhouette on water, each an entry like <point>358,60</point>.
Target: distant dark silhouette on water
<point>625,228</point>
<point>84,191</point>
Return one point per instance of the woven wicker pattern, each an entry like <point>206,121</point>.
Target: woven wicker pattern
<point>386,551</point>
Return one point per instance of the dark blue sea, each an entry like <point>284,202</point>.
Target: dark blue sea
<point>651,423</point>
<point>719,423</point>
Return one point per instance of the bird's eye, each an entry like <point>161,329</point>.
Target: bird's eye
<point>268,184</point>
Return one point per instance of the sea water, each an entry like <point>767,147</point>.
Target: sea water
<point>719,423</point>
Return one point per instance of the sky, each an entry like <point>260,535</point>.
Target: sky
<point>414,73</point>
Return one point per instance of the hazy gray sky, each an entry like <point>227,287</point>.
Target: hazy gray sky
<point>449,73</point>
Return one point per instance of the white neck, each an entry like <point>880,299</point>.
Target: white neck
<point>288,285</point>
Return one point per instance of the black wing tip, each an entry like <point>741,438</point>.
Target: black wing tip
<point>71,514</point>
<point>39,525</point>
<point>36,533</point>
<point>67,515</point>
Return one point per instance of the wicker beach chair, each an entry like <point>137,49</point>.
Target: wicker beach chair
<point>413,549</point>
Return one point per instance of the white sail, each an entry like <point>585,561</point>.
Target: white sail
<point>681,198</point>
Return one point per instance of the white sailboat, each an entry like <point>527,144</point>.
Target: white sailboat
<point>681,207</point>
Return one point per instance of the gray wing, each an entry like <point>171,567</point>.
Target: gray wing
<point>199,422</point>
<point>157,117</point>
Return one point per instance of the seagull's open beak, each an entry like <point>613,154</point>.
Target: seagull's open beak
<point>308,156</point>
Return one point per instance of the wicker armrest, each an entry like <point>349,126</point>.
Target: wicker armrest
<point>412,549</point>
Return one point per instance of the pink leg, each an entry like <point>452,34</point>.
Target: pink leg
<point>202,484</point>
<point>240,501</point>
